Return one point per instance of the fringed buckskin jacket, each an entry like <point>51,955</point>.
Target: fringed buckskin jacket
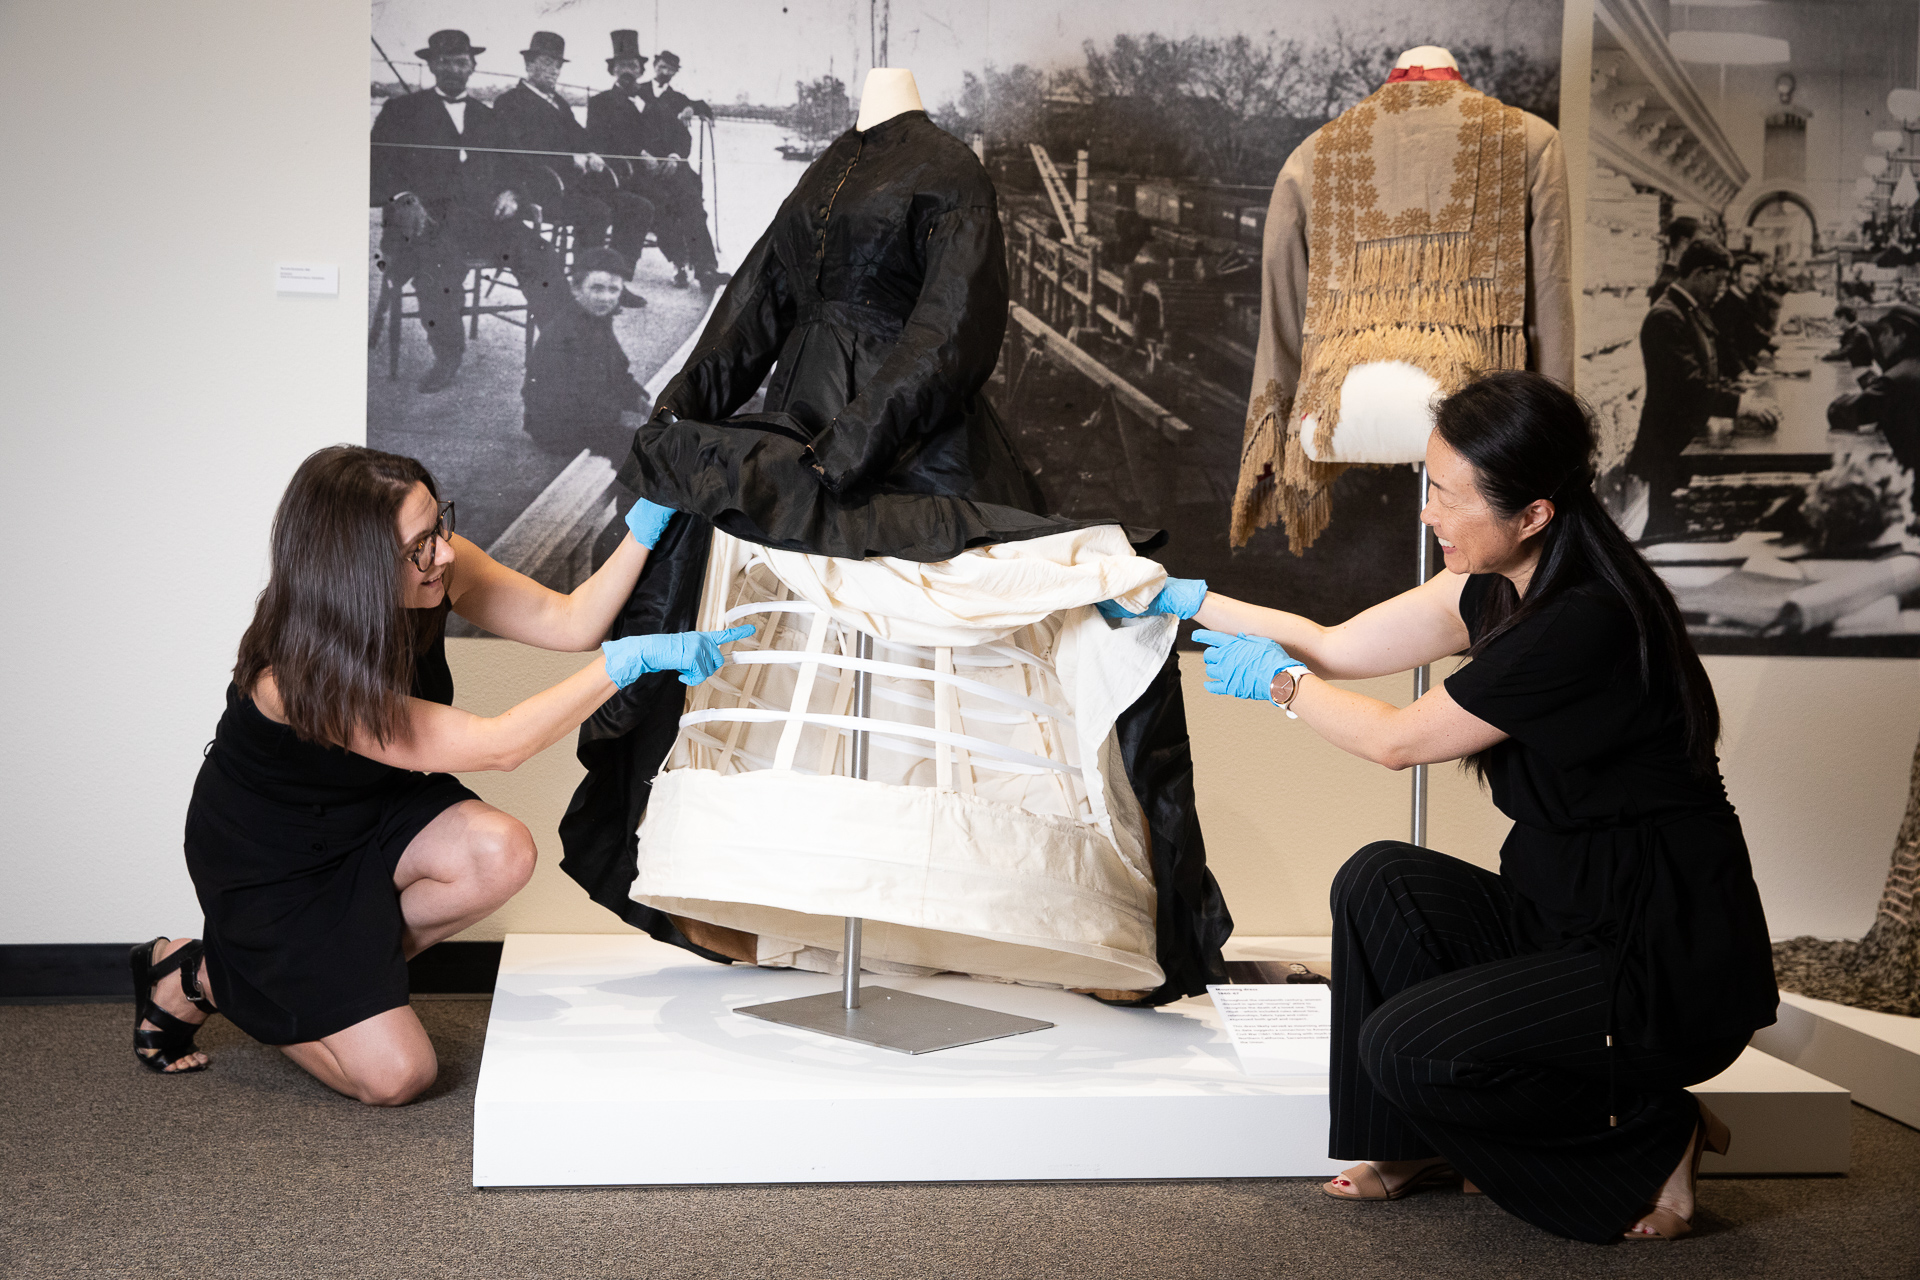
<point>1428,224</point>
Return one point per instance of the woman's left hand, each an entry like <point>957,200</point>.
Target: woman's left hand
<point>1243,666</point>
<point>648,520</point>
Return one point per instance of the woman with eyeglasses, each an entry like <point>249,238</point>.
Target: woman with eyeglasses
<point>326,839</point>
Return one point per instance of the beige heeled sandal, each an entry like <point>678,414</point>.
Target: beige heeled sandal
<point>1367,1184</point>
<point>1663,1223</point>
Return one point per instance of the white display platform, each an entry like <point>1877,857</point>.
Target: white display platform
<point>1784,1120</point>
<point>614,1059</point>
<point>1876,1055</point>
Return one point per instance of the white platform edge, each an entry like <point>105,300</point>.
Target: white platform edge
<point>1876,1055</point>
<point>554,1107</point>
<point>1786,1120</point>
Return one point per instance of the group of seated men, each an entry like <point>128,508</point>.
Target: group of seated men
<point>459,181</point>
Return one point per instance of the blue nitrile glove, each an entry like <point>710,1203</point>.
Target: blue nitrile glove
<point>648,520</point>
<point>1181,597</point>
<point>1242,666</point>
<point>694,654</point>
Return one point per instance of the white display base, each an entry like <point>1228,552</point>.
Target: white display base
<point>612,1059</point>
<point>1784,1120</point>
<point>1876,1055</point>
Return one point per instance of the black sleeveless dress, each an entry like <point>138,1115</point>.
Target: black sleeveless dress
<point>292,847</point>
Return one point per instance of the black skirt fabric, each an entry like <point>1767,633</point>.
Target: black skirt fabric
<point>292,848</point>
<point>873,311</point>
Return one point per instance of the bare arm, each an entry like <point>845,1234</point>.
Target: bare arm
<point>447,740</point>
<point>510,604</point>
<point>1411,629</point>
<point>1433,729</point>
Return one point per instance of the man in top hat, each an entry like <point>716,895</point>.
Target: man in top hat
<point>623,124</point>
<point>1685,386</point>
<point>563,175</point>
<point>436,174</point>
<point>578,382</point>
<point>1889,400</point>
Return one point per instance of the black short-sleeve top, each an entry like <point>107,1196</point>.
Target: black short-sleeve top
<point>1617,840</point>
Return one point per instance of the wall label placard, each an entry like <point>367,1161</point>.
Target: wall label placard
<point>1278,1029</point>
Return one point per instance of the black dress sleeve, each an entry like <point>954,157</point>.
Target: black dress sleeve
<point>1553,682</point>
<point>944,356</point>
<point>738,347</point>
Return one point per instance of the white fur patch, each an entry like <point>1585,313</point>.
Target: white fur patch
<point>1386,414</point>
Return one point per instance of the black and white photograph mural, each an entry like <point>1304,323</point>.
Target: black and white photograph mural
<point>1749,331</point>
<point>560,188</point>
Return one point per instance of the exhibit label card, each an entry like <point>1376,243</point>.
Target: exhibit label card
<point>307,277</point>
<point>1278,1029</point>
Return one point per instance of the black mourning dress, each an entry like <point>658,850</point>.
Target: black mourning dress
<point>292,847</point>
<point>877,299</point>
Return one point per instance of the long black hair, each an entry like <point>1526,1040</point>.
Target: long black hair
<point>1527,437</point>
<point>332,623</point>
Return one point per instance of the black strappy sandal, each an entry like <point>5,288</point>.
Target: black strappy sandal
<point>174,1038</point>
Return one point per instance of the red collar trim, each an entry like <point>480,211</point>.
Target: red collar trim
<point>1423,73</point>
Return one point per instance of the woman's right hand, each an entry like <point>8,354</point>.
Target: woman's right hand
<point>694,654</point>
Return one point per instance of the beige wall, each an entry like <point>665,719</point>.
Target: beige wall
<point>158,394</point>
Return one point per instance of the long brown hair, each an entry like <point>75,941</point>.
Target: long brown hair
<point>332,624</point>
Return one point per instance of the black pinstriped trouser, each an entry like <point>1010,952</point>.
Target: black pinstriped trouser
<point>1447,1041</point>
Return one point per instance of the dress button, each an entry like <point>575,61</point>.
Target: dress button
<point>317,846</point>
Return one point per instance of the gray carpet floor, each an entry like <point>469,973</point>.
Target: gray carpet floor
<point>252,1169</point>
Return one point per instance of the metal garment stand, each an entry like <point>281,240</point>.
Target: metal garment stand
<point>1422,675</point>
<point>887,1019</point>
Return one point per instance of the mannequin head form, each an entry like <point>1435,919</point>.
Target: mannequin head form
<point>889,92</point>
<point>1426,55</point>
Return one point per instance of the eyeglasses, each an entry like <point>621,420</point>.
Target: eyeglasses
<point>422,552</point>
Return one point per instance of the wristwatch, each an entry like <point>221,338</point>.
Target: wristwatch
<point>1283,694</point>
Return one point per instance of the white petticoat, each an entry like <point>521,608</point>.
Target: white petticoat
<point>995,833</point>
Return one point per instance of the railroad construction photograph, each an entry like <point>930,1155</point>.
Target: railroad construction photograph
<point>1134,147</point>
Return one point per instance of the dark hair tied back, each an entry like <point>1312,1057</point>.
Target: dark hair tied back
<point>1527,438</point>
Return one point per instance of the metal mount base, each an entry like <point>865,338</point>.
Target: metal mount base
<point>896,1020</point>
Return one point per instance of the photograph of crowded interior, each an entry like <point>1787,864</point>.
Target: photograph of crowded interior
<point>909,638</point>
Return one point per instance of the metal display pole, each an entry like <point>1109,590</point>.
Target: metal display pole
<point>887,1019</point>
<point>1422,675</point>
<point>856,767</point>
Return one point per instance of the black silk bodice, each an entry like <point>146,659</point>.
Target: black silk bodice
<point>878,299</point>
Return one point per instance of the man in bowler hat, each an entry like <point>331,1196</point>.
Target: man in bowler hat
<point>556,168</point>
<point>437,176</point>
<point>624,122</point>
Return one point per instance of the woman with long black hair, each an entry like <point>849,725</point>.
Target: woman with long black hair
<point>1534,1030</point>
<point>326,840</point>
